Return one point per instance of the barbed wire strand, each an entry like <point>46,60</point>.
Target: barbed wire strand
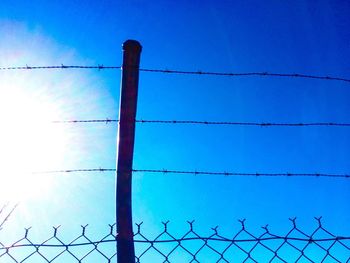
<point>166,171</point>
<point>167,71</point>
<point>99,67</point>
<point>246,74</point>
<point>243,123</point>
<point>194,122</point>
<point>257,174</point>
<point>86,121</point>
<point>76,170</point>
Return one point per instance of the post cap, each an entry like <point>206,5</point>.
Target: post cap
<point>132,45</point>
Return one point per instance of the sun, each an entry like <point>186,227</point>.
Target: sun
<point>30,100</point>
<point>29,142</point>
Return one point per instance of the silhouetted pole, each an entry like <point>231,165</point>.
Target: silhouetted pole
<point>125,142</point>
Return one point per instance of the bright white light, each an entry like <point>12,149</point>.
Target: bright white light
<point>29,101</point>
<point>28,142</point>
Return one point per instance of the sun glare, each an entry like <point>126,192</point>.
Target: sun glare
<point>29,143</point>
<point>29,101</point>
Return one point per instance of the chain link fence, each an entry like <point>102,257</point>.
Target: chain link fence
<point>320,245</point>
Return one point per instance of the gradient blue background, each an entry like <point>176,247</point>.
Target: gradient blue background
<point>309,37</point>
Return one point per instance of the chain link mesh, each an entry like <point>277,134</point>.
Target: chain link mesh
<point>243,246</point>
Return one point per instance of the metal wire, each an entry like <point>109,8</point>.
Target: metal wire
<point>76,170</point>
<point>195,172</point>
<point>86,121</point>
<point>99,67</point>
<point>167,71</point>
<point>257,174</point>
<point>230,123</point>
<point>246,74</point>
<point>263,124</point>
<point>317,246</point>
<point>6,214</point>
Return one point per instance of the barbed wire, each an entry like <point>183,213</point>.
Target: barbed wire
<point>26,67</point>
<point>168,71</point>
<point>257,174</point>
<point>194,122</point>
<point>195,172</point>
<point>87,121</point>
<point>165,247</point>
<point>263,124</point>
<point>76,170</point>
<point>246,74</point>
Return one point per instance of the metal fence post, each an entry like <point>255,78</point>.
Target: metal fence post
<point>125,143</point>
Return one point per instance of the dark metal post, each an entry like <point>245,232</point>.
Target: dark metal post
<point>125,144</point>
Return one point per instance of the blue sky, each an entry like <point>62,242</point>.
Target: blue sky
<point>230,36</point>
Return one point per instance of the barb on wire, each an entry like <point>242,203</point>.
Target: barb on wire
<point>230,123</point>
<point>167,71</point>
<point>195,172</point>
